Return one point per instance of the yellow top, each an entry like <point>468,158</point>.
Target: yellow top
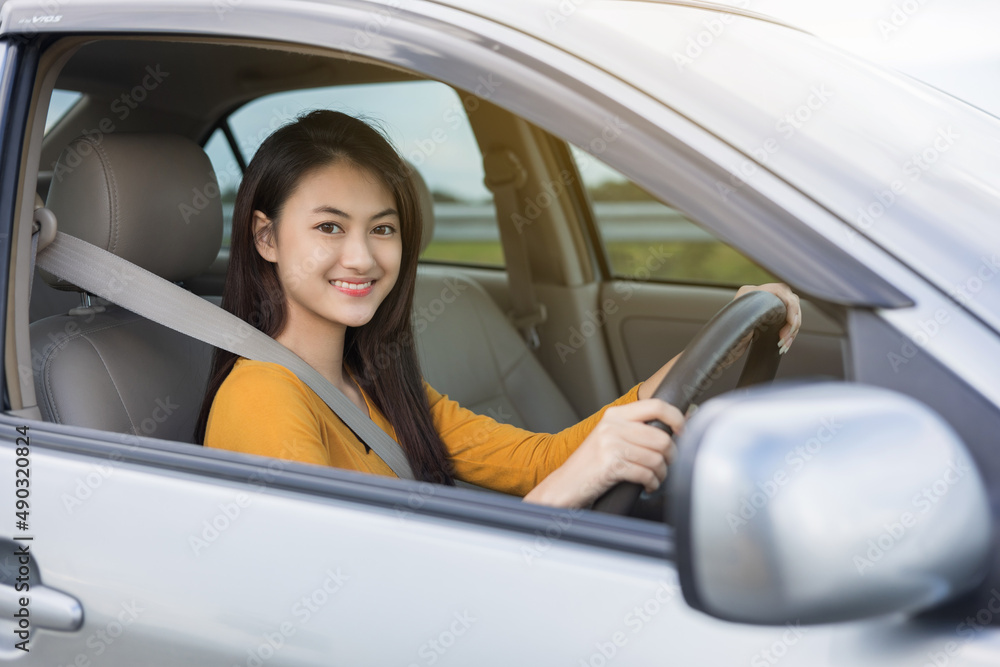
<point>264,408</point>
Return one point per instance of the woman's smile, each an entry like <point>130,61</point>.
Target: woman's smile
<point>352,288</point>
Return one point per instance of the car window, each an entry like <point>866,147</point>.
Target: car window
<point>59,105</point>
<point>630,222</point>
<point>426,122</point>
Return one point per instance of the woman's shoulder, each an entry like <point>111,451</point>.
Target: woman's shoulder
<point>433,396</point>
<point>263,408</point>
<point>248,375</point>
<point>251,369</point>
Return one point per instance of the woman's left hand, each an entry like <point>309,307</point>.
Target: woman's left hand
<point>794,318</point>
<point>785,336</point>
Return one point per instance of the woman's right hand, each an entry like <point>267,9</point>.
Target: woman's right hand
<point>621,448</point>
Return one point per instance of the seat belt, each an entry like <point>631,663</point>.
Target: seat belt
<point>504,175</point>
<point>110,277</point>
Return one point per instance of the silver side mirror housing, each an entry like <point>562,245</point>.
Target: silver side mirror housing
<point>824,502</point>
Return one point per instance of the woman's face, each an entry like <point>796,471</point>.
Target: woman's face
<point>337,246</point>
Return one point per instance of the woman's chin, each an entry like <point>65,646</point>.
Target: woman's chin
<point>355,319</point>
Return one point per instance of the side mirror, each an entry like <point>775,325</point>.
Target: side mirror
<point>824,502</point>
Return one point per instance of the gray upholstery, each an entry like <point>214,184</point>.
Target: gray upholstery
<point>469,350</point>
<point>146,198</point>
<point>149,198</point>
<point>117,371</point>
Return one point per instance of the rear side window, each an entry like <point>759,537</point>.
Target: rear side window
<point>59,105</point>
<point>645,239</point>
<point>426,122</point>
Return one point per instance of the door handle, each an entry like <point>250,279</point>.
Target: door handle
<point>49,608</point>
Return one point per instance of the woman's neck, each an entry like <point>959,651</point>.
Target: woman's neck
<point>321,345</point>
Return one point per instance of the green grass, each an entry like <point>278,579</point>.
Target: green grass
<point>483,253</point>
<point>685,262</point>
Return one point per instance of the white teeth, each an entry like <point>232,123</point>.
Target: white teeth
<point>352,286</point>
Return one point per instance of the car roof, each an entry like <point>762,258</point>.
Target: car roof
<point>524,14</point>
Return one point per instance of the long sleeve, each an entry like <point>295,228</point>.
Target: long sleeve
<point>501,456</point>
<point>264,409</point>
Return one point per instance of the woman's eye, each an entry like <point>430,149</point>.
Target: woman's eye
<point>384,230</point>
<point>328,227</point>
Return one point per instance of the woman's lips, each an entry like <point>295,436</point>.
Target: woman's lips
<point>353,288</point>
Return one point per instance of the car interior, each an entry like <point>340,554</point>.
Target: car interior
<point>137,145</point>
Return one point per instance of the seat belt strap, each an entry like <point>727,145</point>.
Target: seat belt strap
<point>110,277</point>
<point>504,176</point>
<point>43,231</point>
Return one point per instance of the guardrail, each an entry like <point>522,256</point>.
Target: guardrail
<point>619,221</point>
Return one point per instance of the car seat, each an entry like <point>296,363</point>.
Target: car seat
<point>103,367</point>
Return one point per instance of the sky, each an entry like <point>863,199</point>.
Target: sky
<point>951,44</point>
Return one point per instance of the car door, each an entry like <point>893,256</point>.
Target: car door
<point>173,564</point>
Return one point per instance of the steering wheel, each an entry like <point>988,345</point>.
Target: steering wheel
<point>703,361</point>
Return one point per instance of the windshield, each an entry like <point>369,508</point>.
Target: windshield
<point>909,167</point>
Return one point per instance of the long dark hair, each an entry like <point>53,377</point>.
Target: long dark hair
<point>381,354</point>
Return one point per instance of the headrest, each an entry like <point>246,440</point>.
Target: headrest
<point>426,204</point>
<point>151,199</point>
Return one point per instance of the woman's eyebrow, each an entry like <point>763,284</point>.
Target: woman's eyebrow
<point>382,214</point>
<point>332,210</point>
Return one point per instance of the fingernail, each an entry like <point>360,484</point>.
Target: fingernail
<point>787,346</point>
<point>781,343</point>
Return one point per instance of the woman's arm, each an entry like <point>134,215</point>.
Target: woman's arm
<point>647,388</point>
<point>501,456</point>
<point>623,448</point>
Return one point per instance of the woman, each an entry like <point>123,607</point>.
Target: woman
<point>326,233</point>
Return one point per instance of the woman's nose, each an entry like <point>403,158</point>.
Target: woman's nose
<point>357,255</point>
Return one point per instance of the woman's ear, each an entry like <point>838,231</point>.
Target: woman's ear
<point>263,236</point>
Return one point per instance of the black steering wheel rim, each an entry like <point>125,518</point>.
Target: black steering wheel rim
<point>704,359</point>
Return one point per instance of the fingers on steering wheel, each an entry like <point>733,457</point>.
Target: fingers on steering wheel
<point>644,466</point>
<point>793,310</point>
<point>666,413</point>
<point>791,329</point>
<point>792,307</point>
